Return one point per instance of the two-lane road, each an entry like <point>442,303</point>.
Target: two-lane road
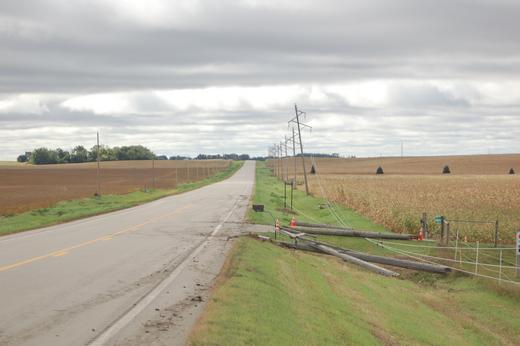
<point>130,277</point>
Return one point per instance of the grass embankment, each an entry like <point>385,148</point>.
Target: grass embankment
<point>272,296</point>
<point>267,295</point>
<point>75,209</point>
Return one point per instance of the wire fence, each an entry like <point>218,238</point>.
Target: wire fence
<point>501,264</point>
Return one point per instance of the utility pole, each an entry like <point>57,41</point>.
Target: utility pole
<point>299,125</point>
<point>281,161</point>
<point>275,157</point>
<point>98,190</point>
<point>286,160</point>
<point>153,172</point>
<point>294,152</point>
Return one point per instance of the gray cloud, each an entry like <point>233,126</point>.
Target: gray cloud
<point>445,67</point>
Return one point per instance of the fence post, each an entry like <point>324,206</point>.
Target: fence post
<point>456,244</point>
<point>476,260</point>
<point>447,232</point>
<point>517,254</point>
<point>424,222</point>
<point>500,269</point>
<point>496,233</point>
<point>442,230</point>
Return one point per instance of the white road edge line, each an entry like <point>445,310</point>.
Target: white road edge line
<point>124,320</point>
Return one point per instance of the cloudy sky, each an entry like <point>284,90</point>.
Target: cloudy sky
<point>207,76</point>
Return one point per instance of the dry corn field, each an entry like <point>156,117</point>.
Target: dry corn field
<point>24,187</point>
<point>479,188</point>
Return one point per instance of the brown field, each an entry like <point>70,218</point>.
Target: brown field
<point>431,165</point>
<point>25,187</point>
<point>479,188</point>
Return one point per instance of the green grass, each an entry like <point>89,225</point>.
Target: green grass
<point>267,295</point>
<point>75,209</point>
<point>270,192</point>
<point>271,296</point>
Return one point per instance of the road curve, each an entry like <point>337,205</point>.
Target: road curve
<point>132,277</point>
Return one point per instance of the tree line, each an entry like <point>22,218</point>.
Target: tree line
<point>79,154</point>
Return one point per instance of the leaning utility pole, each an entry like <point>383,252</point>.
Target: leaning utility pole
<point>98,192</point>
<point>299,124</point>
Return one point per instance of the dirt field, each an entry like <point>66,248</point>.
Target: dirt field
<point>26,187</point>
<point>479,188</point>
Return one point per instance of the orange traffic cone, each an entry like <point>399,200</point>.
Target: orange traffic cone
<point>421,234</point>
<point>293,222</point>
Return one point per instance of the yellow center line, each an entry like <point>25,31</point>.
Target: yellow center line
<point>64,251</point>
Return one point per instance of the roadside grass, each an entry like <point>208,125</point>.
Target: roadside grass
<point>270,192</point>
<point>267,295</point>
<point>76,209</point>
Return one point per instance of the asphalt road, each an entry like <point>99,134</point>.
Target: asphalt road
<point>133,277</point>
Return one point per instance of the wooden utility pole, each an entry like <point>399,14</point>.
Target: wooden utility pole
<point>98,189</point>
<point>153,172</point>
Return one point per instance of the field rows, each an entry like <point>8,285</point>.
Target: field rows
<point>26,187</point>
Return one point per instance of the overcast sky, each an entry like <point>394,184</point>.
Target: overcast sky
<point>196,76</point>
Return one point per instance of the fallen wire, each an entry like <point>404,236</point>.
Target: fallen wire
<point>411,254</point>
<point>330,205</point>
<point>443,259</point>
<point>450,247</point>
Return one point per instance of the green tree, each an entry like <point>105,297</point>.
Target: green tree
<point>42,156</point>
<point>22,158</point>
<point>134,152</point>
<point>79,154</point>
<point>63,156</point>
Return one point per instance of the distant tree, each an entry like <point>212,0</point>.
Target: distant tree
<point>233,157</point>
<point>63,156</point>
<point>105,153</point>
<point>446,170</point>
<point>379,170</point>
<point>43,156</point>
<point>79,154</point>
<point>243,157</point>
<point>511,171</point>
<point>162,157</point>
<point>22,158</point>
<point>134,152</point>
<point>313,169</point>
<point>178,157</point>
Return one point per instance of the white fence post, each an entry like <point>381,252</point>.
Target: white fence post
<point>476,259</point>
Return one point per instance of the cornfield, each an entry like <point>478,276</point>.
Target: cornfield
<point>475,191</point>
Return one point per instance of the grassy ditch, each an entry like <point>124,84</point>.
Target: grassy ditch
<point>75,209</point>
<point>271,296</point>
<point>267,295</point>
